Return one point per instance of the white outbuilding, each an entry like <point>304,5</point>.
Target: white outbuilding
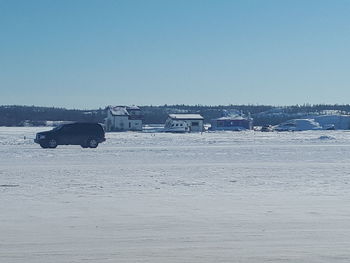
<point>123,118</point>
<point>192,122</point>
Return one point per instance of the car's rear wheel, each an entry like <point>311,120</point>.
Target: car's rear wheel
<point>92,143</point>
<point>52,143</point>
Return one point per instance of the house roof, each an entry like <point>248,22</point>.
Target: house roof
<point>133,107</point>
<point>186,116</point>
<point>119,111</point>
<point>231,118</point>
<point>122,110</point>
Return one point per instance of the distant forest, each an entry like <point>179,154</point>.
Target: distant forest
<point>14,115</point>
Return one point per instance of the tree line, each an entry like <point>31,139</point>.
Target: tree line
<point>17,115</point>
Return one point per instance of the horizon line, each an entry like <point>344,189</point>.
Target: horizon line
<point>183,105</point>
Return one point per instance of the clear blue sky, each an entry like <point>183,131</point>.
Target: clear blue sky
<point>88,54</point>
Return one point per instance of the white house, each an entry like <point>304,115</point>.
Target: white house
<point>123,118</point>
<point>190,122</point>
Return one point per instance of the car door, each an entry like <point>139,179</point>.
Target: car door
<point>76,134</point>
<point>65,135</point>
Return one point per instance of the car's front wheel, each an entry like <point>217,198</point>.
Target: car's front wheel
<point>44,145</point>
<point>52,143</point>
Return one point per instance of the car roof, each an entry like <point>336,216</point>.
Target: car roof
<point>84,123</point>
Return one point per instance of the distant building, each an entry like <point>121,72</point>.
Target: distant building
<point>123,118</point>
<point>320,122</point>
<point>298,125</point>
<point>232,122</point>
<point>184,123</point>
<point>339,122</point>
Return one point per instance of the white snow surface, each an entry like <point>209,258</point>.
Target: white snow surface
<point>143,197</point>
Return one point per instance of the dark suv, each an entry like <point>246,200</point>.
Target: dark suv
<point>84,134</point>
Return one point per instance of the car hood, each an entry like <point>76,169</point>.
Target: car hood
<point>44,133</point>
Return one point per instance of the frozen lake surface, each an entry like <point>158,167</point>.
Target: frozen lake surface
<point>143,197</point>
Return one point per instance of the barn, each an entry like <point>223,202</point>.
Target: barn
<point>123,118</point>
<point>232,122</point>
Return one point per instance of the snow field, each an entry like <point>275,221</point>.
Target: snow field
<point>143,197</point>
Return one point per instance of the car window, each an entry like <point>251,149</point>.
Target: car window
<point>66,128</point>
<point>82,128</point>
<point>78,128</point>
<point>58,127</point>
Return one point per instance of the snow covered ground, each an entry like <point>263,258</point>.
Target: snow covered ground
<point>143,197</point>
